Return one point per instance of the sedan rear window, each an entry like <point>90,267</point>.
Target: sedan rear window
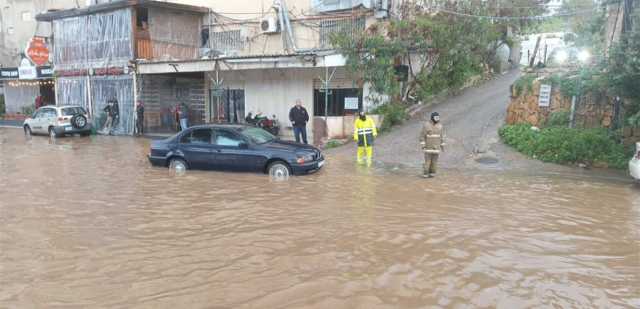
<point>70,111</point>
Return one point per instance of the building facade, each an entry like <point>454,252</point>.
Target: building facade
<point>25,81</point>
<point>95,50</point>
<point>223,60</point>
<point>261,56</point>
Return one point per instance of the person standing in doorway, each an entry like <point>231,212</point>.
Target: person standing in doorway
<point>432,142</point>
<point>183,114</point>
<point>364,133</point>
<point>140,118</point>
<point>115,114</point>
<point>39,102</point>
<point>299,117</point>
<point>106,129</point>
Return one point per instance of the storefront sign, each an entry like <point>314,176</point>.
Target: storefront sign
<point>545,96</point>
<point>45,72</point>
<point>9,73</point>
<point>351,103</point>
<point>26,70</point>
<point>38,51</point>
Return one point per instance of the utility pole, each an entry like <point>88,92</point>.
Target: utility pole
<point>535,52</point>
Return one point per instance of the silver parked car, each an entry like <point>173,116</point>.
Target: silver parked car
<point>58,121</point>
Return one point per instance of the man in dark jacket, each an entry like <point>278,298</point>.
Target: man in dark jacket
<point>299,117</point>
<point>140,118</point>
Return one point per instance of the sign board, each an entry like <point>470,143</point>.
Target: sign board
<point>26,70</point>
<point>544,100</point>
<point>45,72</point>
<point>334,60</point>
<point>37,51</point>
<point>10,73</point>
<point>351,103</point>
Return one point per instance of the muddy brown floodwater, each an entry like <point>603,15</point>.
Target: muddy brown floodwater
<point>86,223</point>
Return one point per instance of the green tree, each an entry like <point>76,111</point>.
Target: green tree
<point>446,49</point>
<point>623,70</point>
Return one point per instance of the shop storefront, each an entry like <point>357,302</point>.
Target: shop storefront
<point>26,88</point>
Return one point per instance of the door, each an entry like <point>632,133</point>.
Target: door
<point>35,125</point>
<point>43,118</point>
<point>197,149</point>
<point>50,119</point>
<point>235,153</point>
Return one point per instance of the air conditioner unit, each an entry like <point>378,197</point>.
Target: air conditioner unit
<point>269,25</point>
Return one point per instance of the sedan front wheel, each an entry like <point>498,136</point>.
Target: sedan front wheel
<point>279,170</point>
<point>178,165</point>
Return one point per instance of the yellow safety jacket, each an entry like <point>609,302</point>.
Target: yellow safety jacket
<point>364,132</point>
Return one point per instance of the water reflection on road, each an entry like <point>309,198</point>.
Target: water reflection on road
<point>86,222</point>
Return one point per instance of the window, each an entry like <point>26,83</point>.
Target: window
<point>225,41</point>
<point>26,16</point>
<point>336,101</point>
<point>226,138</point>
<point>258,136</point>
<point>10,30</point>
<point>199,136</point>
<point>71,111</point>
<point>48,113</point>
<point>335,5</point>
<point>142,18</point>
<point>350,26</point>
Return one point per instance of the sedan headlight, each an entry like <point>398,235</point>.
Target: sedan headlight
<point>302,158</point>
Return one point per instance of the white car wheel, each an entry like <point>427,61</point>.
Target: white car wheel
<point>279,171</point>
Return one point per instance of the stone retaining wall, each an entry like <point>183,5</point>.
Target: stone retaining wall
<point>592,110</point>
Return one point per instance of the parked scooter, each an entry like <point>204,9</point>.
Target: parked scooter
<point>270,125</point>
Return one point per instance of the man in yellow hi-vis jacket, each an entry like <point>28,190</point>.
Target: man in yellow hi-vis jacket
<point>364,133</point>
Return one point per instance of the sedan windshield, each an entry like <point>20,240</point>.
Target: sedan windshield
<point>70,111</point>
<point>257,135</point>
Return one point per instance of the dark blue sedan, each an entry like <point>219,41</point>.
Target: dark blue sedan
<point>234,148</point>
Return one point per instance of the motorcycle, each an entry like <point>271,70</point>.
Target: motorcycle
<point>270,125</point>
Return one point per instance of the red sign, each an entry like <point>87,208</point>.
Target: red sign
<point>38,51</point>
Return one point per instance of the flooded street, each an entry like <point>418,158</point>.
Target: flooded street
<point>87,222</point>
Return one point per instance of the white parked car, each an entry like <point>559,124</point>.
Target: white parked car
<point>634,164</point>
<point>58,121</point>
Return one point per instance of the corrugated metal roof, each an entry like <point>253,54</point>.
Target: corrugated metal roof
<point>50,16</point>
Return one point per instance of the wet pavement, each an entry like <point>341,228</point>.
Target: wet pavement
<point>87,222</point>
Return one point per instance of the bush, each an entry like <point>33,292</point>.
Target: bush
<point>566,146</point>
<point>332,144</point>
<point>524,83</point>
<point>558,119</point>
<point>28,110</point>
<point>393,114</point>
<point>2,106</point>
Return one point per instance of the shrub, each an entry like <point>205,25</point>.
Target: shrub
<point>28,110</point>
<point>558,119</point>
<point>524,82</point>
<point>2,106</point>
<point>393,114</point>
<point>332,144</point>
<point>566,146</point>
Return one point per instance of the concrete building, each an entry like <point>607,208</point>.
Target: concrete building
<point>223,60</point>
<point>18,24</point>
<point>260,56</point>
<point>22,79</point>
<point>95,49</point>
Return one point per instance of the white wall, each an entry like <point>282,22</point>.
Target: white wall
<point>274,92</point>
